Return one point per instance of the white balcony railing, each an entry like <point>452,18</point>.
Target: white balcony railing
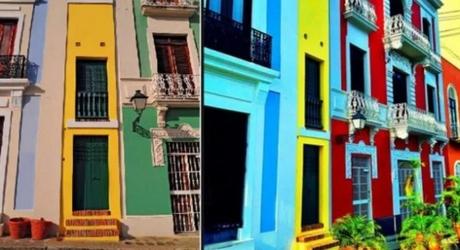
<point>362,8</point>
<point>401,34</point>
<point>367,105</point>
<point>169,3</point>
<point>405,117</point>
<point>175,86</point>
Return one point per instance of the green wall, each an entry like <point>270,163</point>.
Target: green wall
<point>195,25</point>
<point>147,187</point>
<point>141,37</point>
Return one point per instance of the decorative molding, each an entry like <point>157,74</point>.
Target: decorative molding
<point>160,134</point>
<point>16,99</point>
<point>161,116</point>
<point>4,149</point>
<point>363,149</point>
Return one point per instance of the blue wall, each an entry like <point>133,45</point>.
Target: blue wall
<point>24,198</point>
<point>270,165</point>
<point>37,41</point>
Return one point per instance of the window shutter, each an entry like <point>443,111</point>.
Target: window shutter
<point>164,59</point>
<point>182,59</point>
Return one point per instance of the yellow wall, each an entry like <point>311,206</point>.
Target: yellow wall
<point>90,24</point>
<point>314,22</point>
<point>313,41</point>
<point>448,25</point>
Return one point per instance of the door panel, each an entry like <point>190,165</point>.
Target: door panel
<point>361,185</point>
<point>310,190</point>
<point>90,173</point>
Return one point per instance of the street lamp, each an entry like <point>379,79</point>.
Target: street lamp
<point>358,122</point>
<point>139,101</point>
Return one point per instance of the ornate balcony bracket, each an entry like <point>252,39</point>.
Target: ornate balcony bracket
<point>367,105</point>
<point>178,90</point>
<point>160,134</point>
<point>169,8</point>
<point>433,63</point>
<point>361,13</point>
<point>436,3</point>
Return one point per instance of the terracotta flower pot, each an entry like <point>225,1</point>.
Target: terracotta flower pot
<point>419,238</point>
<point>38,228</point>
<point>457,229</point>
<point>17,228</point>
<point>347,248</point>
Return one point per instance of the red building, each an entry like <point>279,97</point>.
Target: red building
<point>391,73</point>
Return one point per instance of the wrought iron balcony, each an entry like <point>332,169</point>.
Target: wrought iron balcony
<point>233,38</point>
<point>405,119</point>
<point>433,62</point>
<point>169,8</point>
<point>313,108</point>
<point>175,88</point>
<point>401,35</point>
<point>91,105</point>
<point>13,66</point>
<point>367,105</point>
<point>361,13</point>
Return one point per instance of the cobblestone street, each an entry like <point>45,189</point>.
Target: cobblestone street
<point>155,243</point>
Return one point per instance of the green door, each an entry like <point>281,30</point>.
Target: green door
<point>90,173</point>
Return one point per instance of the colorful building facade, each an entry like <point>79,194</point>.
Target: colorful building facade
<point>386,67</point>
<point>249,115</point>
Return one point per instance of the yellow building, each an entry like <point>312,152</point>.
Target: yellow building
<point>449,31</point>
<point>90,170</point>
<point>313,174</point>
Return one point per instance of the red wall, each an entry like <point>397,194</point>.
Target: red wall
<point>377,57</point>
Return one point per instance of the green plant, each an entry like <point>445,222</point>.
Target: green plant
<point>358,232</point>
<point>417,207</point>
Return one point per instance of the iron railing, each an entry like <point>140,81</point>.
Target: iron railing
<point>91,105</point>
<point>233,38</point>
<point>363,8</point>
<point>13,66</point>
<point>175,86</point>
<point>313,106</point>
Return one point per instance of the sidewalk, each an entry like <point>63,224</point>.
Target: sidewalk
<point>154,243</point>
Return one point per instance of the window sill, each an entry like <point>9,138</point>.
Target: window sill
<point>92,124</point>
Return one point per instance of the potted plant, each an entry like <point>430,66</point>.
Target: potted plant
<point>38,228</point>
<point>356,232</point>
<point>424,228</point>
<point>451,199</point>
<point>17,227</point>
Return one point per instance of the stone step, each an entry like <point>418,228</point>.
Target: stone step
<point>321,244</point>
<point>312,227</point>
<point>91,213</point>
<point>88,222</point>
<point>84,233</point>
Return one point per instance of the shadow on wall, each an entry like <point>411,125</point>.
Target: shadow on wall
<point>124,232</point>
<point>32,72</point>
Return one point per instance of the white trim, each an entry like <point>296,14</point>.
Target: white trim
<point>4,152</point>
<point>90,1</point>
<point>451,86</point>
<point>20,25</point>
<point>87,124</point>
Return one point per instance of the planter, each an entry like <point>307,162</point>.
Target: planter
<point>38,228</point>
<point>419,238</point>
<point>457,229</point>
<point>347,248</point>
<point>17,228</point>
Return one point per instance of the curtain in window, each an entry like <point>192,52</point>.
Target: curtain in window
<point>7,36</point>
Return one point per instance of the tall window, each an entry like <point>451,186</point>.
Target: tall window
<point>426,25</point>
<point>92,99</point>
<point>457,169</point>
<point>453,112</point>
<point>313,102</point>
<point>396,7</point>
<point>7,36</point>
<point>431,94</point>
<point>360,167</point>
<point>406,177</point>
<point>438,179</point>
<point>399,86</point>
<point>172,55</point>
<point>357,68</point>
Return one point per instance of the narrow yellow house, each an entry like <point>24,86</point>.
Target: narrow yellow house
<point>313,171</point>
<point>90,171</point>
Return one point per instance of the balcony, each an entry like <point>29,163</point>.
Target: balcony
<point>401,35</point>
<point>313,107</point>
<point>454,136</point>
<point>230,37</point>
<point>361,13</point>
<point>14,66</point>
<point>169,8</point>
<point>405,119</point>
<point>176,89</point>
<point>91,106</point>
<point>367,105</point>
<point>433,62</point>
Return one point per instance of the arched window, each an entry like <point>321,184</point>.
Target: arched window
<point>453,112</point>
<point>396,7</point>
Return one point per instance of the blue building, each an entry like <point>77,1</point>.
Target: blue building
<point>249,115</point>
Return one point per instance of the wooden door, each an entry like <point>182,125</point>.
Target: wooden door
<point>310,185</point>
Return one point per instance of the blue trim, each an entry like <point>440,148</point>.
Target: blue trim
<point>335,73</point>
<point>364,149</point>
<point>37,41</point>
<point>270,163</point>
<point>24,196</point>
